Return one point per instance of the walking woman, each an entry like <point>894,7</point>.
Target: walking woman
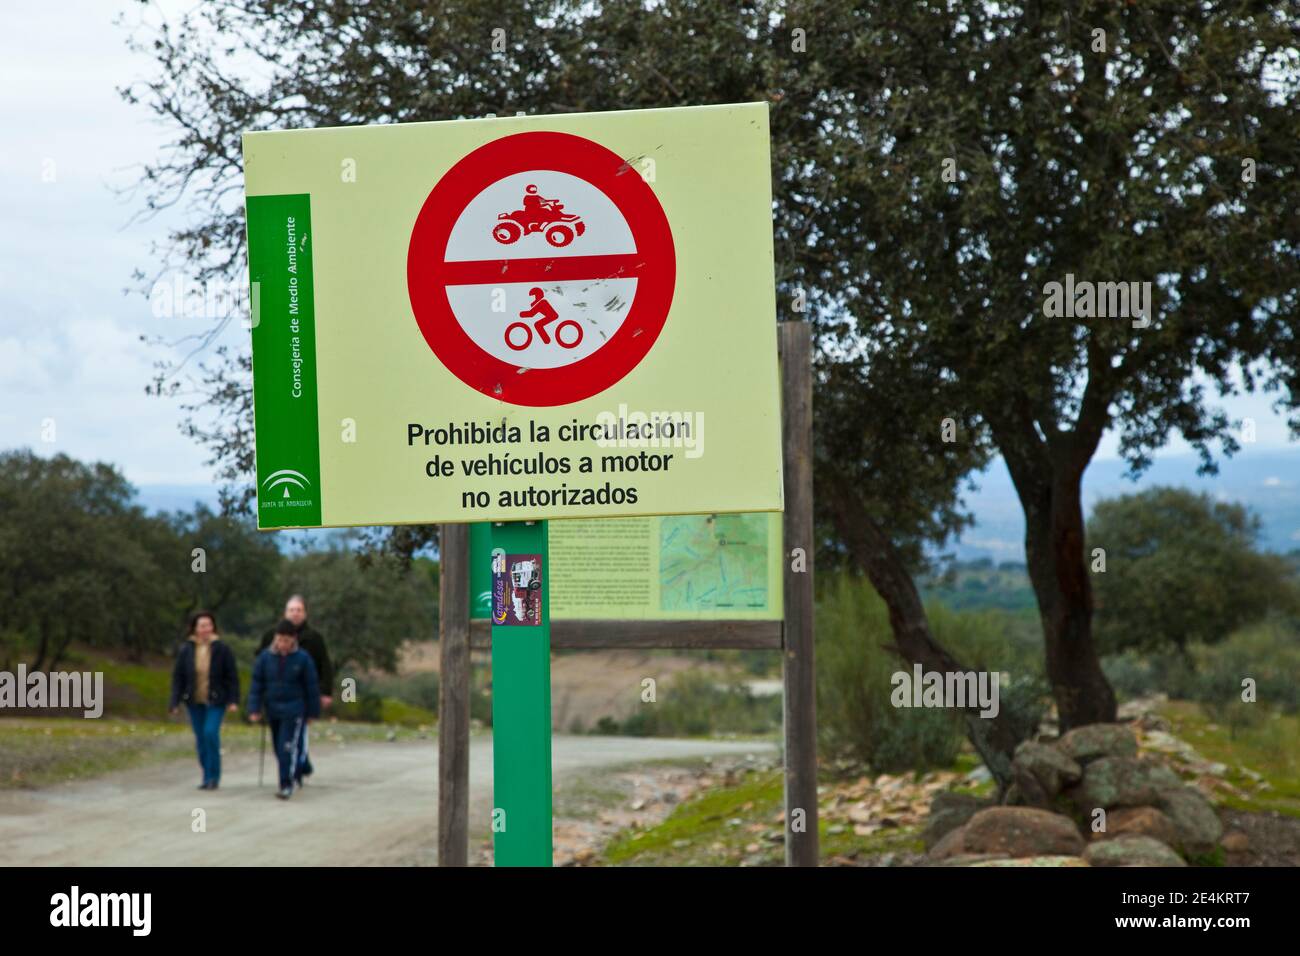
<point>206,679</point>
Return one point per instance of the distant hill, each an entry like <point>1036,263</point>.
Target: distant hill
<point>980,585</point>
<point>175,497</point>
<point>1268,482</point>
<point>157,498</point>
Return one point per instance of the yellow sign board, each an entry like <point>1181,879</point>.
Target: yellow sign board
<point>518,318</point>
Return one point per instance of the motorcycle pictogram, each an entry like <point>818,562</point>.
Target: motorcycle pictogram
<point>538,215</point>
<point>548,315</point>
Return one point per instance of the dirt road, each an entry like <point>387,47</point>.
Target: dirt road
<point>369,803</point>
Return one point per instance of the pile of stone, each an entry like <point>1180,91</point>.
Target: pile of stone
<point>1084,799</point>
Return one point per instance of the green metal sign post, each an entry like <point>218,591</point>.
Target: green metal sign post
<point>521,695</point>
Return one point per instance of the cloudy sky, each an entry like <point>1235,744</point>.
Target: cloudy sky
<point>70,348</point>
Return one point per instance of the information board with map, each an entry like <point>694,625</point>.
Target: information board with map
<point>679,567</point>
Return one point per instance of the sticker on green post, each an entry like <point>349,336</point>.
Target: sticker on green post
<point>284,361</point>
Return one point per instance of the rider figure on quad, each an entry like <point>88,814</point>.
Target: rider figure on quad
<point>537,208</point>
<point>539,215</point>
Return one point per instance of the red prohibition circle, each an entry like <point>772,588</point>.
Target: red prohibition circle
<point>653,265</point>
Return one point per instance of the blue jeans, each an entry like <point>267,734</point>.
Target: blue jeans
<point>285,734</point>
<point>304,767</point>
<point>206,721</point>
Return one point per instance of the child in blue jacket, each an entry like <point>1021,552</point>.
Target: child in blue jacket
<point>286,687</point>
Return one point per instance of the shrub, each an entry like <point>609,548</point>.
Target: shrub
<point>370,708</point>
<point>1136,674</point>
<point>695,704</point>
<point>1268,653</point>
<point>418,689</point>
<point>854,714</point>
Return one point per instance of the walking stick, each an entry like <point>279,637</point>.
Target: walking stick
<point>261,758</point>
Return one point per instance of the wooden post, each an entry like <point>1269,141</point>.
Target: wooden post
<point>453,696</point>
<point>801,842</point>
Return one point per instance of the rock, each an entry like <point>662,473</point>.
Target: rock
<point>1131,851</point>
<point>1164,741</point>
<point>1025,790</point>
<point>1151,722</point>
<point>948,811</point>
<point>1045,861</point>
<point>1123,782</point>
<point>1084,744</point>
<point>1052,769</point>
<point>1235,842</point>
<point>950,845</point>
<point>1139,821</point>
<point>1197,824</point>
<point>980,774</point>
<point>1021,831</point>
<point>967,859</point>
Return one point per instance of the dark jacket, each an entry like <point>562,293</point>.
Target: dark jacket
<point>223,676</point>
<point>309,640</point>
<point>284,686</point>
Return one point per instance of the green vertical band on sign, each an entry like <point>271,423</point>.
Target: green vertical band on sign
<point>285,418</point>
<point>521,717</point>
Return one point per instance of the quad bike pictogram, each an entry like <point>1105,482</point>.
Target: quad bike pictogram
<point>538,215</point>
<point>548,315</point>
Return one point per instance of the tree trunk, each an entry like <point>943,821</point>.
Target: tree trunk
<point>60,651</point>
<point>1058,569</point>
<point>994,738</point>
<point>44,647</point>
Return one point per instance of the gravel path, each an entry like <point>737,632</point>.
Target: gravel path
<point>367,804</point>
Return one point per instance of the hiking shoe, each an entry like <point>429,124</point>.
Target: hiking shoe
<point>284,793</point>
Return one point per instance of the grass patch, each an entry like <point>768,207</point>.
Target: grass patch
<point>142,692</point>
<point>38,752</point>
<point>41,751</point>
<point>711,829</point>
<point>849,844</point>
<point>399,712</point>
<point>1267,747</point>
<point>728,825</point>
<point>964,763</point>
